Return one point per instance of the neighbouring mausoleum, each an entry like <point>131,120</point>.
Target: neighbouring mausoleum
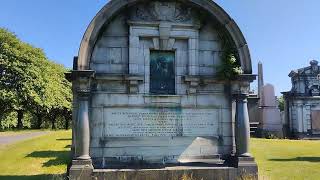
<point>157,89</point>
<point>302,103</point>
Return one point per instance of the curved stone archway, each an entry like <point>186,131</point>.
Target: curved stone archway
<point>114,6</point>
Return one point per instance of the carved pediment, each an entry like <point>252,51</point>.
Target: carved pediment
<point>163,11</point>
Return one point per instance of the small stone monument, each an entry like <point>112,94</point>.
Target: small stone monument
<point>270,113</point>
<point>147,100</point>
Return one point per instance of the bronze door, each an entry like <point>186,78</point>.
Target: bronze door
<point>315,119</point>
<point>162,74</point>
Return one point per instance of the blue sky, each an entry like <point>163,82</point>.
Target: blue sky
<point>283,34</point>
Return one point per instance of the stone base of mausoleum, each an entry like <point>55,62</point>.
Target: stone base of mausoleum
<point>246,169</point>
<point>305,136</point>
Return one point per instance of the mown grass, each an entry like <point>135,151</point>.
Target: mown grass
<point>44,157</point>
<point>287,159</point>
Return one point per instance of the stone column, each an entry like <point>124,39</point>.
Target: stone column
<point>82,128</point>
<point>81,167</point>
<point>242,129</point>
<point>245,163</point>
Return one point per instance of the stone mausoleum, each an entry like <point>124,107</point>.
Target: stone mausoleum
<point>147,100</point>
<point>302,103</point>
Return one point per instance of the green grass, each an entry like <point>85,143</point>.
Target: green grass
<point>38,158</point>
<point>47,156</point>
<point>287,159</point>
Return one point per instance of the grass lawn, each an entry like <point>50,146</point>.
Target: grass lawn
<point>39,158</point>
<point>287,159</point>
<point>47,156</point>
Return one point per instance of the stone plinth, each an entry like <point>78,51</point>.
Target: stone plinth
<point>81,169</point>
<point>269,111</point>
<point>272,119</point>
<point>172,173</point>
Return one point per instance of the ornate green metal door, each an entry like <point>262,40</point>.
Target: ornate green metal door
<point>162,75</point>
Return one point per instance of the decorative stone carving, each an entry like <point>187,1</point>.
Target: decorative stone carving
<point>133,83</point>
<point>82,81</point>
<point>312,84</point>
<point>314,66</point>
<point>163,11</point>
<point>193,82</point>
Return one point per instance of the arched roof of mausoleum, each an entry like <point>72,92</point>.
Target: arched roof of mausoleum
<point>115,6</point>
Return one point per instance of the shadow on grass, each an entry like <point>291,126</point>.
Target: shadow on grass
<point>64,139</point>
<point>308,159</point>
<point>34,177</point>
<point>61,157</point>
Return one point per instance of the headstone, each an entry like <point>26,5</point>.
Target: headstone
<point>270,112</point>
<point>147,97</point>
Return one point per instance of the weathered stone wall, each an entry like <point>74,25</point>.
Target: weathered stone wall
<point>110,54</point>
<point>146,94</point>
<point>300,114</point>
<point>303,100</point>
<point>123,49</point>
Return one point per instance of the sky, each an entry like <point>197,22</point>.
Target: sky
<point>283,34</point>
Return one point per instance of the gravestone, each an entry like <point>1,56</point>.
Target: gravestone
<point>270,112</point>
<point>147,100</point>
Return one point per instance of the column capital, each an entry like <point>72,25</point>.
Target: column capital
<point>81,82</point>
<point>240,96</point>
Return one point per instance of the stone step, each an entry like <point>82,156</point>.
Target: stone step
<point>254,127</point>
<point>176,172</point>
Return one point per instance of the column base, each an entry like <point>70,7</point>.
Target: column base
<point>83,158</point>
<point>81,170</point>
<point>245,155</point>
<point>247,168</point>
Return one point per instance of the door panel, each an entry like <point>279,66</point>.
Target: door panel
<point>162,74</point>
<point>315,118</point>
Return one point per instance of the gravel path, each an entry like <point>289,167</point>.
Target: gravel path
<point>5,140</point>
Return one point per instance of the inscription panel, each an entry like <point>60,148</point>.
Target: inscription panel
<point>135,122</point>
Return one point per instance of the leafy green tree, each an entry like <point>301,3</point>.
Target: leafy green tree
<point>230,67</point>
<point>19,83</point>
<point>58,93</point>
<point>29,82</point>
<point>281,103</point>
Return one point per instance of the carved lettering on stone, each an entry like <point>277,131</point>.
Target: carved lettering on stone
<point>161,122</point>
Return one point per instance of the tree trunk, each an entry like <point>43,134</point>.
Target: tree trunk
<point>53,125</point>
<point>39,121</point>
<point>53,120</point>
<point>66,118</point>
<point>20,117</point>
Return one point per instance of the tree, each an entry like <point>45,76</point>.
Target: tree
<point>30,82</point>
<point>281,103</point>
<point>19,65</point>
<point>58,93</point>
